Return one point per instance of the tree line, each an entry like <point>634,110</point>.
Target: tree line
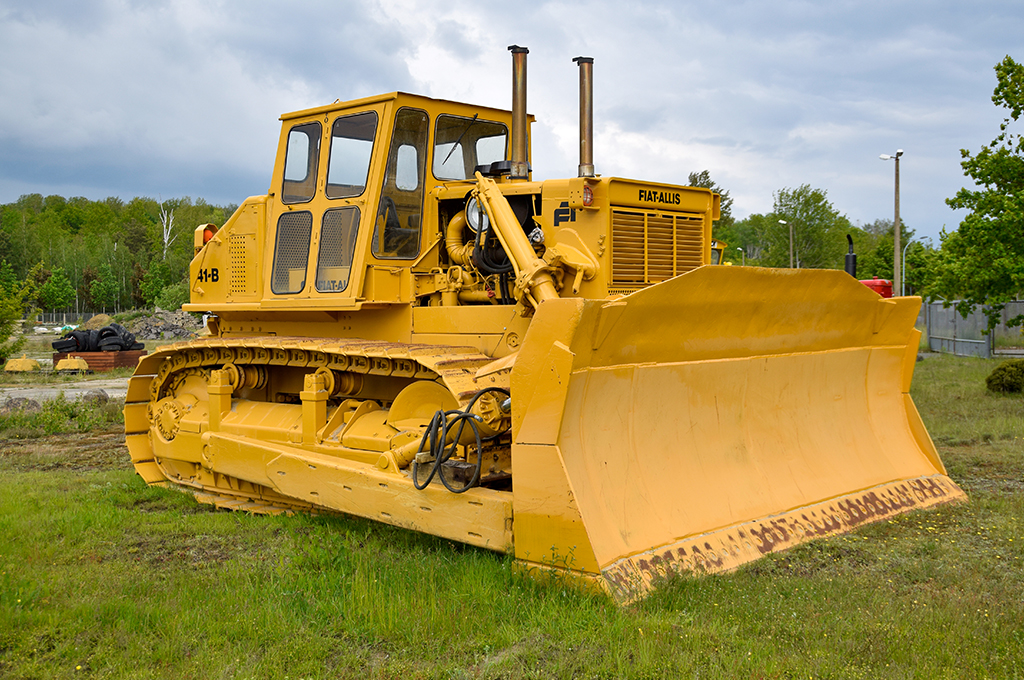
<point>818,231</point>
<point>77,255</point>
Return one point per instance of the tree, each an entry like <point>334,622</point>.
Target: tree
<point>723,227</point>
<point>9,283</point>
<point>57,292</point>
<point>819,231</point>
<point>103,289</point>
<point>982,262</point>
<point>12,305</point>
<point>873,244</point>
<point>156,278</point>
<point>168,232</point>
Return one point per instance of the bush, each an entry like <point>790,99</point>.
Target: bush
<point>1007,377</point>
<point>172,297</point>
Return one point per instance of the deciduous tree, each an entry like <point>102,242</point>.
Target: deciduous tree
<point>819,230</point>
<point>982,262</point>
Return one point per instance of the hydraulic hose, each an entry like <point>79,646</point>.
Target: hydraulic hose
<point>443,423</point>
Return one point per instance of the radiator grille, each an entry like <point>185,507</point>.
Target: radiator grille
<point>648,247</point>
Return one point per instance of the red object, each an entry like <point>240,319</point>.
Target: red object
<point>881,286</point>
<point>208,233</point>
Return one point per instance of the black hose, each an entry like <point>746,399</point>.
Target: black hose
<point>482,258</point>
<point>437,436</point>
<point>506,298</point>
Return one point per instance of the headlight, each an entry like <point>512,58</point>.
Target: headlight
<point>475,215</point>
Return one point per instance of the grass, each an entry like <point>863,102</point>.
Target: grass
<point>59,416</point>
<point>104,577</point>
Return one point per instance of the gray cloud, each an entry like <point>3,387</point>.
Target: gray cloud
<point>123,98</point>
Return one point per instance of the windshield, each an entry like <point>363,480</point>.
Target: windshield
<point>461,144</point>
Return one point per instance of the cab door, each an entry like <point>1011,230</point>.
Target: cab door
<point>326,192</point>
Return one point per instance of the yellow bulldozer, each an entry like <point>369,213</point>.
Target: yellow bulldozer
<point>408,328</point>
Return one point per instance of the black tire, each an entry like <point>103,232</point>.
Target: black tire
<point>65,345</point>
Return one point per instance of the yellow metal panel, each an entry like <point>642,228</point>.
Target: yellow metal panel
<point>479,517</point>
<point>139,447</point>
<point>242,457</point>
<point>924,440</point>
<point>150,472</point>
<point>549,529</point>
<point>659,452</point>
<point>543,416</point>
<point>559,322</point>
<point>910,359</point>
<point>657,196</point>
<point>138,388</point>
<point>478,319</point>
<point>136,417</point>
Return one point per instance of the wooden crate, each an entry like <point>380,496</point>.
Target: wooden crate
<point>104,361</point>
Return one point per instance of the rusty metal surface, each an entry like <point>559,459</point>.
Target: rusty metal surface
<point>520,152</point>
<point>586,65</point>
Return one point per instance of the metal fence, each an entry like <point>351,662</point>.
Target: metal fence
<point>64,318</point>
<point>951,333</point>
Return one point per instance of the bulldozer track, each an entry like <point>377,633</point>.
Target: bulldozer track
<point>160,372</point>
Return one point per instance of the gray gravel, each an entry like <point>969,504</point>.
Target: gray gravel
<point>115,389</point>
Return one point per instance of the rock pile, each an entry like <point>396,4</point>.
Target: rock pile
<point>164,325</point>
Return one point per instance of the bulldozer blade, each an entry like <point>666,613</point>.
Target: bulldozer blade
<point>708,420</point>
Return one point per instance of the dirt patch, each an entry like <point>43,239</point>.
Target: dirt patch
<point>179,550</point>
<point>95,451</point>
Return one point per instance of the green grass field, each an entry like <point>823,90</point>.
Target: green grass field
<point>103,577</point>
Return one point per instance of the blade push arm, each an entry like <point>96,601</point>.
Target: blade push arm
<point>534,282</point>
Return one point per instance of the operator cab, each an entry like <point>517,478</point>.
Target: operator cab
<point>351,180</point>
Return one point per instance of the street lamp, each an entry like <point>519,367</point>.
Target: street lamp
<point>744,254</point>
<point>790,242</point>
<point>896,227</point>
<point>903,268</point>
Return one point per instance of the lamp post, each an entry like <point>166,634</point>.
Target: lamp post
<point>896,279</point>
<point>903,268</point>
<point>790,242</point>
<point>744,254</point>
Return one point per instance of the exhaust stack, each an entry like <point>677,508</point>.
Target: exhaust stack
<point>586,115</point>
<point>520,164</point>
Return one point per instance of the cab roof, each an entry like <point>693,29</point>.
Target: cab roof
<point>404,98</point>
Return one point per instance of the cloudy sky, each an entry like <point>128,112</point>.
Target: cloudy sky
<point>129,97</point>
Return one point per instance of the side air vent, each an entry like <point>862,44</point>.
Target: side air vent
<point>242,280</point>
<point>649,247</point>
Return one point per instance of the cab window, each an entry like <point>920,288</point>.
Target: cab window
<point>300,163</point>
<point>291,252</point>
<point>351,150</point>
<point>461,144</point>
<point>396,232</point>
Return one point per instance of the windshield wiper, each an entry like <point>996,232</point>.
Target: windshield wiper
<point>456,144</point>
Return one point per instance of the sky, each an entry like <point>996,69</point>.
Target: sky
<point>133,98</point>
